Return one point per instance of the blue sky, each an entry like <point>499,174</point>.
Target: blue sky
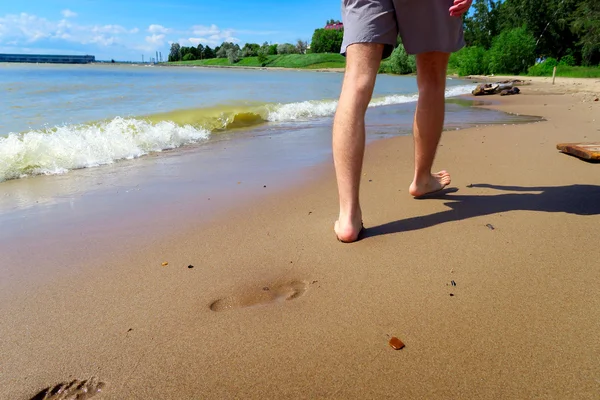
<point>126,29</point>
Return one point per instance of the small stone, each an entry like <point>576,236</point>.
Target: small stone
<point>596,99</point>
<point>370,180</point>
<point>490,226</point>
<point>265,186</point>
<point>453,283</point>
<point>396,343</point>
<point>165,264</point>
<point>266,289</point>
<point>190,266</point>
<point>451,294</point>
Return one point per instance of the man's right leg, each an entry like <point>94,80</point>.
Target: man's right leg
<point>362,64</point>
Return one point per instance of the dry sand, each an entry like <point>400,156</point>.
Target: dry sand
<point>522,323</point>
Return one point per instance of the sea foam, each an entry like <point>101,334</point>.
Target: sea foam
<point>60,149</point>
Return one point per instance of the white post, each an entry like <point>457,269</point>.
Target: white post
<point>553,75</point>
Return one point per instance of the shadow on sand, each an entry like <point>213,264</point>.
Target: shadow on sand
<point>573,199</point>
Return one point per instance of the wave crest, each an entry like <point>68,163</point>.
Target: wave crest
<point>63,148</point>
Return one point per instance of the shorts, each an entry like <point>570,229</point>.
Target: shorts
<point>423,25</point>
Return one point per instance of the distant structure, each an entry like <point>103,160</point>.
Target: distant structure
<point>337,25</point>
<point>44,58</point>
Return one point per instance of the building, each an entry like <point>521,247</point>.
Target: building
<point>337,25</point>
<point>46,58</point>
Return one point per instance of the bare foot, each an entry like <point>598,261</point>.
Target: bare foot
<point>349,230</point>
<point>434,183</point>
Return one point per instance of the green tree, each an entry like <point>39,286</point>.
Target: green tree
<point>301,46</point>
<point>208,53</point>
<point>327,40</point>
<point>512,52</point>
<point>273,50</point>
<point>224,49</point>
<point>250,50</point>
<point>586,24</point>
<point>286,48</point>
<point>233,55</point>
<point>189,57</point>
<point>549,21</point>
<point>200,53</point>
<point>482,25</point>
<point>175,54</point>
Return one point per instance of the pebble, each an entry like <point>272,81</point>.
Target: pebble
<point>396,343</point>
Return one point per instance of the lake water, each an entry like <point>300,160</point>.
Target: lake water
<point>95,151</point>
<point>56,118</point>
<point>219,125</point>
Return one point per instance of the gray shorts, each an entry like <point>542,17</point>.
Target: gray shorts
<point>424,25</point>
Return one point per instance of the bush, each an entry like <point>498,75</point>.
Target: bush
<point>262,58</point>
<point>512,52</point>
<point>544,68</point>
<point>189,57</point>
<point>470,61</point>
<point>327,41</point>
<point>401,62</point>
<point>567,60</point>
<point>286,48</point>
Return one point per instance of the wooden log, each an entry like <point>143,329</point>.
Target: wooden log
<point>585,151</point>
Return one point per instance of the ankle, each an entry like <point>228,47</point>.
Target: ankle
<point>422,175</point>
<point>350,213</point>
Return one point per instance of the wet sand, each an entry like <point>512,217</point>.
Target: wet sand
<point>275,307</point>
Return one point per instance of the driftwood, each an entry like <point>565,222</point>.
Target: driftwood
<point>504,88</point>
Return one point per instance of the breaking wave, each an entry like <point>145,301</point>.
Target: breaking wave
<point>63,148</point>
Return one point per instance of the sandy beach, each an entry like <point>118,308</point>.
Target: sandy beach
<point>493,286</point>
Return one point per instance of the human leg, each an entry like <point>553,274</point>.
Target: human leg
<point>362,64</point>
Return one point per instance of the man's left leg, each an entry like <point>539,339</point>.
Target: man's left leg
<point>429,122</point>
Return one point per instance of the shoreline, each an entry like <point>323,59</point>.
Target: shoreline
<point>522,318</point>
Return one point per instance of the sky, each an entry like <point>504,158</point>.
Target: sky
<point>124,30</point>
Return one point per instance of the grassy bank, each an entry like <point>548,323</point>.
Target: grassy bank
<point>303,61</point>
<point>569,72</point>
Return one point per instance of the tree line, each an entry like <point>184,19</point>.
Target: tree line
<point>510,36</point>
<point>502,36</point>
<point>234,52</point>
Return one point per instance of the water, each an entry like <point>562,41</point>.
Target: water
<point>54,119</point>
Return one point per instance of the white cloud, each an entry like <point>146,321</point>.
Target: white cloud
<point>211,35</point>
<point>68,13</point>
<point>156,40</point>
<point>202,30</point>
<point>27,28</point>
<point>28,31</point>
<point>158,29</point>
<point>110,29</point>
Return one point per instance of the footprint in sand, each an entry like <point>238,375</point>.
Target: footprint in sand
<point>266,295</point>
<point>74,390</point>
